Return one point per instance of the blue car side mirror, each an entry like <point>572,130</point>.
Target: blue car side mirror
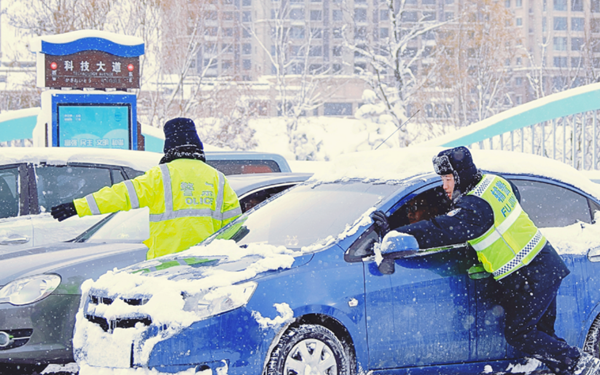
<point>396,245</point>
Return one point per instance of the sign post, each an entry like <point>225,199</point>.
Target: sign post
<point>90,76</point>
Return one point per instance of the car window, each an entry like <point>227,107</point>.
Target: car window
<point>552,206</point>
<point>229,167</point>
<point>117,176</point>
<point>61,184</point>
<point>9,193</point>
<point>131,173</point>
<point>257,197</point>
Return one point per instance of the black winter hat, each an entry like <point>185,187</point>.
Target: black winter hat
<point>458,162</point>
<point>181,131</point>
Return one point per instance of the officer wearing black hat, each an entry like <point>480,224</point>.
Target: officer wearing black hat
<point>188,199</point>
<point>487,215</point>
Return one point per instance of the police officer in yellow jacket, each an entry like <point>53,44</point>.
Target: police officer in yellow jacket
<point>487,215</point>
<point>188,199</point>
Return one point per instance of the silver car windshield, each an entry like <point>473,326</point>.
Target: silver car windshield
<point>306,214</point>
<point>126,226</point>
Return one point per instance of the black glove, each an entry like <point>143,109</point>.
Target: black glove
<point>63,211</point>
<point>381,223</point>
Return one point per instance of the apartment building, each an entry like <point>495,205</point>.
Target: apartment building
<point>558,44</point>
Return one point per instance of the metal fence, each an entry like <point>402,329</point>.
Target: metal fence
<point>563,126</point>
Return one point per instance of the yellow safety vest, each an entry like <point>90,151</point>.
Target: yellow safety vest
<point>514,240</point>
<point>188,201</point>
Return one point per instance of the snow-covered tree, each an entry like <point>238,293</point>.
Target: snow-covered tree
<point>301,79</point>
<point>396,61</point>
<point>478,55</point>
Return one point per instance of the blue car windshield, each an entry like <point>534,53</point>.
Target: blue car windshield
<point>306,214</point>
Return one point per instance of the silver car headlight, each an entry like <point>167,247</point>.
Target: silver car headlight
<point>219,300</point>
<point>29,289</point>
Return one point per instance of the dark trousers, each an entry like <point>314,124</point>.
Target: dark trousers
<point>530,313</point>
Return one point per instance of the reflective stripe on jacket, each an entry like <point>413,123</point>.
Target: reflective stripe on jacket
<point>514,240</point>
<point>188,201</point>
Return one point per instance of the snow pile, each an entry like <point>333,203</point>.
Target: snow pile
<point>166,306</point>
<point>285,315</point>
<point>576,238</point>
<point>399,164</point>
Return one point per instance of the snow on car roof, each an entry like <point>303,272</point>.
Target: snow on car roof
<point>400,164</point>
<point>140,160</point>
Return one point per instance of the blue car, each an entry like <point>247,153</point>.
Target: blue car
<point>295,286</point>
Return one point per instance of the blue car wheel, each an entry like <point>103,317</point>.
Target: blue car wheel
<point>310,349</point>
<point>592,340</point>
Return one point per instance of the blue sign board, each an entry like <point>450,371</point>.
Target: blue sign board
<point>94,120</point>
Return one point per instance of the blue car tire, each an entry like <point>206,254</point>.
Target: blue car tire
<point>309,345</point>
<point>592,340</point>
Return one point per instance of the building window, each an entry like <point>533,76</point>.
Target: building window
<point>246,49</point>
<point>518,3</point>
<point>429,16</point>
<point>519,81</point>
<point>576,44</point>
<point>410,17</point>
<point>360,15</point>
<point>337,33</point>
<point>560,23</point>
<point>519,21</point>
<point>384,32</point>
<point>247,16</point>
<point>337,109</point>
<point>575,62</point>
<point>297,14</point>
<point>337,15</point>
<point>360,68</point>
<point>316,15</point>
<point>384,15</point>
<point>315,51</point>
<point>595,25</point>
<point>336,68</point>
<point>336,51</point>
<point>428,2</point>
<point>448,16</point>
<point>560,43</point>
<point>560,61</point>
<point>315,69</point>
<point>247,3</point>
<point>577,23</point>
<point>360,33</point>
<point>316,33</point>
<point>519,100</point>
<point>577,5</point>
<point>507,3</point>
<point>296,32</point>
<point>560,4</point>
<point>595,6</point>
<point>246,64</point>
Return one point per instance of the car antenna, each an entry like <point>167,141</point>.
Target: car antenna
<point>385,140</point>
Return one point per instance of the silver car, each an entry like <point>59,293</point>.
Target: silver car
<point>34,179</point>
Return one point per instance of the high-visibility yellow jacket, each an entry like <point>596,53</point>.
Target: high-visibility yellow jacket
<point>514,240</point>
<point>188,201</point>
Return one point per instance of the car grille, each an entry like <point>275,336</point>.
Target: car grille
<point>20,338</point>
<point>110,325</point>
<point>107,325</point>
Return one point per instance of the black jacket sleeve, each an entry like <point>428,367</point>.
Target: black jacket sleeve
<point>470,218</point>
